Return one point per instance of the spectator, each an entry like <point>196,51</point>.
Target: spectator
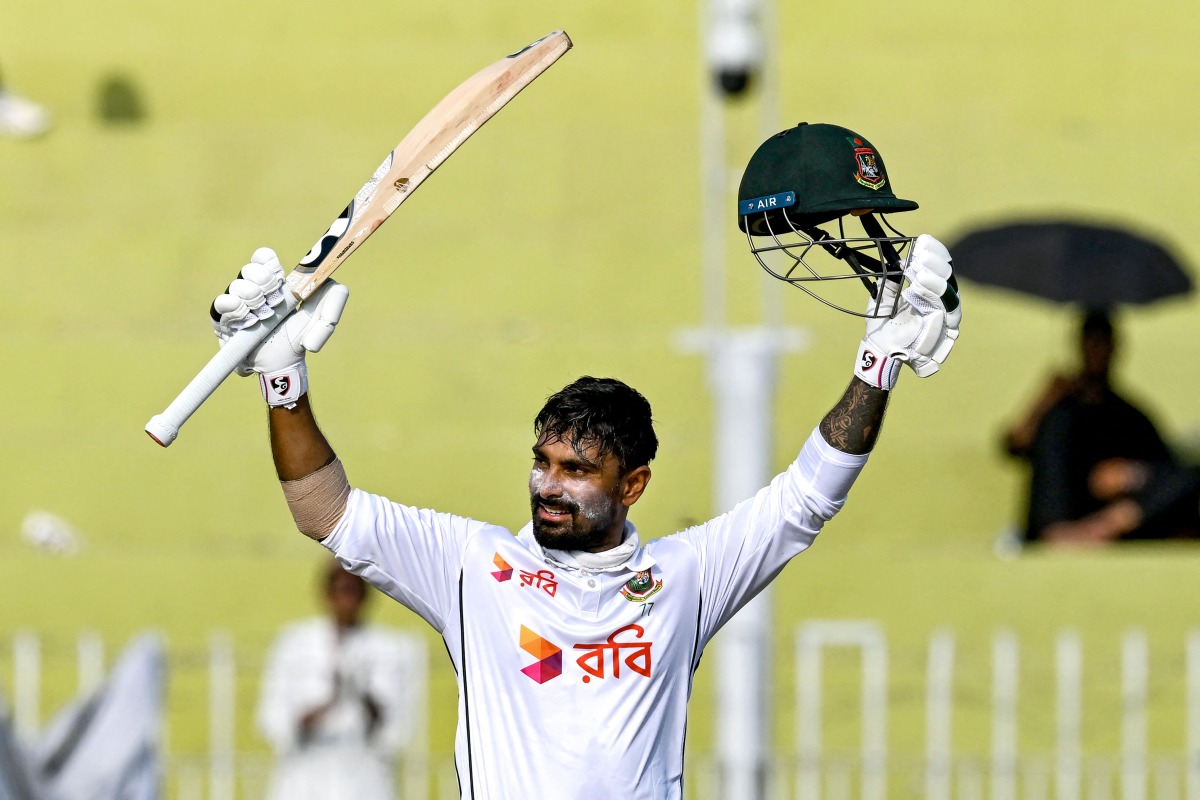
<point>333,702</point>
<point>1100,470</point>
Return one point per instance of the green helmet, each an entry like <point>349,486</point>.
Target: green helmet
<point>817,171</point>
<point>813,174</point>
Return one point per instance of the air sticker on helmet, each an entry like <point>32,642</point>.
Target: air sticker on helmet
<point>869,173</point>
<point>767,202</point>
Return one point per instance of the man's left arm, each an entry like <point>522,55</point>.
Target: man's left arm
<point>743,550</point>
<point>918,326</point>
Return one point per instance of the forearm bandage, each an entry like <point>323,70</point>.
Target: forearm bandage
<point>317,501</point>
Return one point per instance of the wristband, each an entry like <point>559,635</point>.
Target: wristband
<point>878,369</point>
<point>283,387</point>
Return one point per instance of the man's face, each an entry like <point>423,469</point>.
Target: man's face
<point>576,497</point>
<point>1098,348</point>
<point>345,595</point>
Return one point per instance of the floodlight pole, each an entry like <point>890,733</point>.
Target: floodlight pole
<point>742,375</point>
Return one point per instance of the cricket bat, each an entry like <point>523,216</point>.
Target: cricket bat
<point>424,149</point>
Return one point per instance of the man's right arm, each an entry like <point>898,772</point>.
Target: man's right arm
<point>313,480</point>
<point>413,555</point>
<point>314,483</point>
<point>297,444</point>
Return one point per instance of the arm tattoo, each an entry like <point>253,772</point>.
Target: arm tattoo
<point>852,426</point>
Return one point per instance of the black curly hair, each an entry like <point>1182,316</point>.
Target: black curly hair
<point>603,412</point>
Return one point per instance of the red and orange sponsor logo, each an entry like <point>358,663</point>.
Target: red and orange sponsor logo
<point>549,656</point>
<point>543,579</point>
<point>503,571</point>
<point>605,659</point>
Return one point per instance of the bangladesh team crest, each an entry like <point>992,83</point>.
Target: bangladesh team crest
<point>641,586</point>
<point>870,173</point>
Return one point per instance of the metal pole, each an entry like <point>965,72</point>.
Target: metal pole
<point>742,372</point>
<point>742,379</point>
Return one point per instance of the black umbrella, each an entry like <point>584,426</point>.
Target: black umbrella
<point>1070,262</point>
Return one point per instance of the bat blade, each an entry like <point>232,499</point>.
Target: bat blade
<point>426,147</point>
<point>431,141</point>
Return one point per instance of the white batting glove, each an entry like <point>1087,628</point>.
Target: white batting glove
<point>279,361</point>
<point>924,327</point>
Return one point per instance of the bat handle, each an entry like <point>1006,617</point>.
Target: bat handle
<point>164,428</point>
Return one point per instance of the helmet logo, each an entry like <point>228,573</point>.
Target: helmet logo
<point>869,174</point>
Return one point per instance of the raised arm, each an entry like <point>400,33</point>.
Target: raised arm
<point>852,426</point>
<point>920,331</point>
<point>297,444</point>
<point>313,480</point>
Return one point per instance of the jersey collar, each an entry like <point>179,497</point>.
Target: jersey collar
<point>638,560</point>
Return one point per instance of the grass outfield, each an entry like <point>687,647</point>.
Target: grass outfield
<point>561,241</point>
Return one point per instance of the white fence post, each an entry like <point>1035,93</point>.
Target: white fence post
<point>939,716</point>
<point>27,684</point>
<point>1191,755</point>
<point>1068,661</point>
<point>222,686</point>
<point>812,639</point>
<point>89,653</point>
<point>1006,666</point>
<point>1134,688</point>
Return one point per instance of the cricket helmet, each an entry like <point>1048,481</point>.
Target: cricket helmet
<point>813,175</point>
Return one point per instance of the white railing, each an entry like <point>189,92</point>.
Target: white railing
<point>224,771</point>
<point>924,760</point>
<point>1005,772</point>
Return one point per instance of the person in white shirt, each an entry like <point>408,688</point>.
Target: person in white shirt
<point>333,702</point>
<point>575,641</point>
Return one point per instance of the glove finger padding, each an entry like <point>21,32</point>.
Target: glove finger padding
<point>308,328</point>
<point>924,327</point>
<point>932,284</point>
<point>268,279</point>
<point>328,312</point>
<point>252,296</point>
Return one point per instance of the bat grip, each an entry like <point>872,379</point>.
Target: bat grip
<point>164,428</point>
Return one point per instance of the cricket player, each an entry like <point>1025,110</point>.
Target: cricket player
<point>575,641</point>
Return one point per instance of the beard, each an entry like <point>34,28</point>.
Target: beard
<point>585,529</point>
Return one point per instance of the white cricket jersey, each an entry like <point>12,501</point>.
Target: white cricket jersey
<point>574,683</point>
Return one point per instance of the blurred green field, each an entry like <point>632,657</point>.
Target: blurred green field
<point>562,241</point>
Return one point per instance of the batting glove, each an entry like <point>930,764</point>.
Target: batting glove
<point>279,361</point>
<point>924,326</point>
